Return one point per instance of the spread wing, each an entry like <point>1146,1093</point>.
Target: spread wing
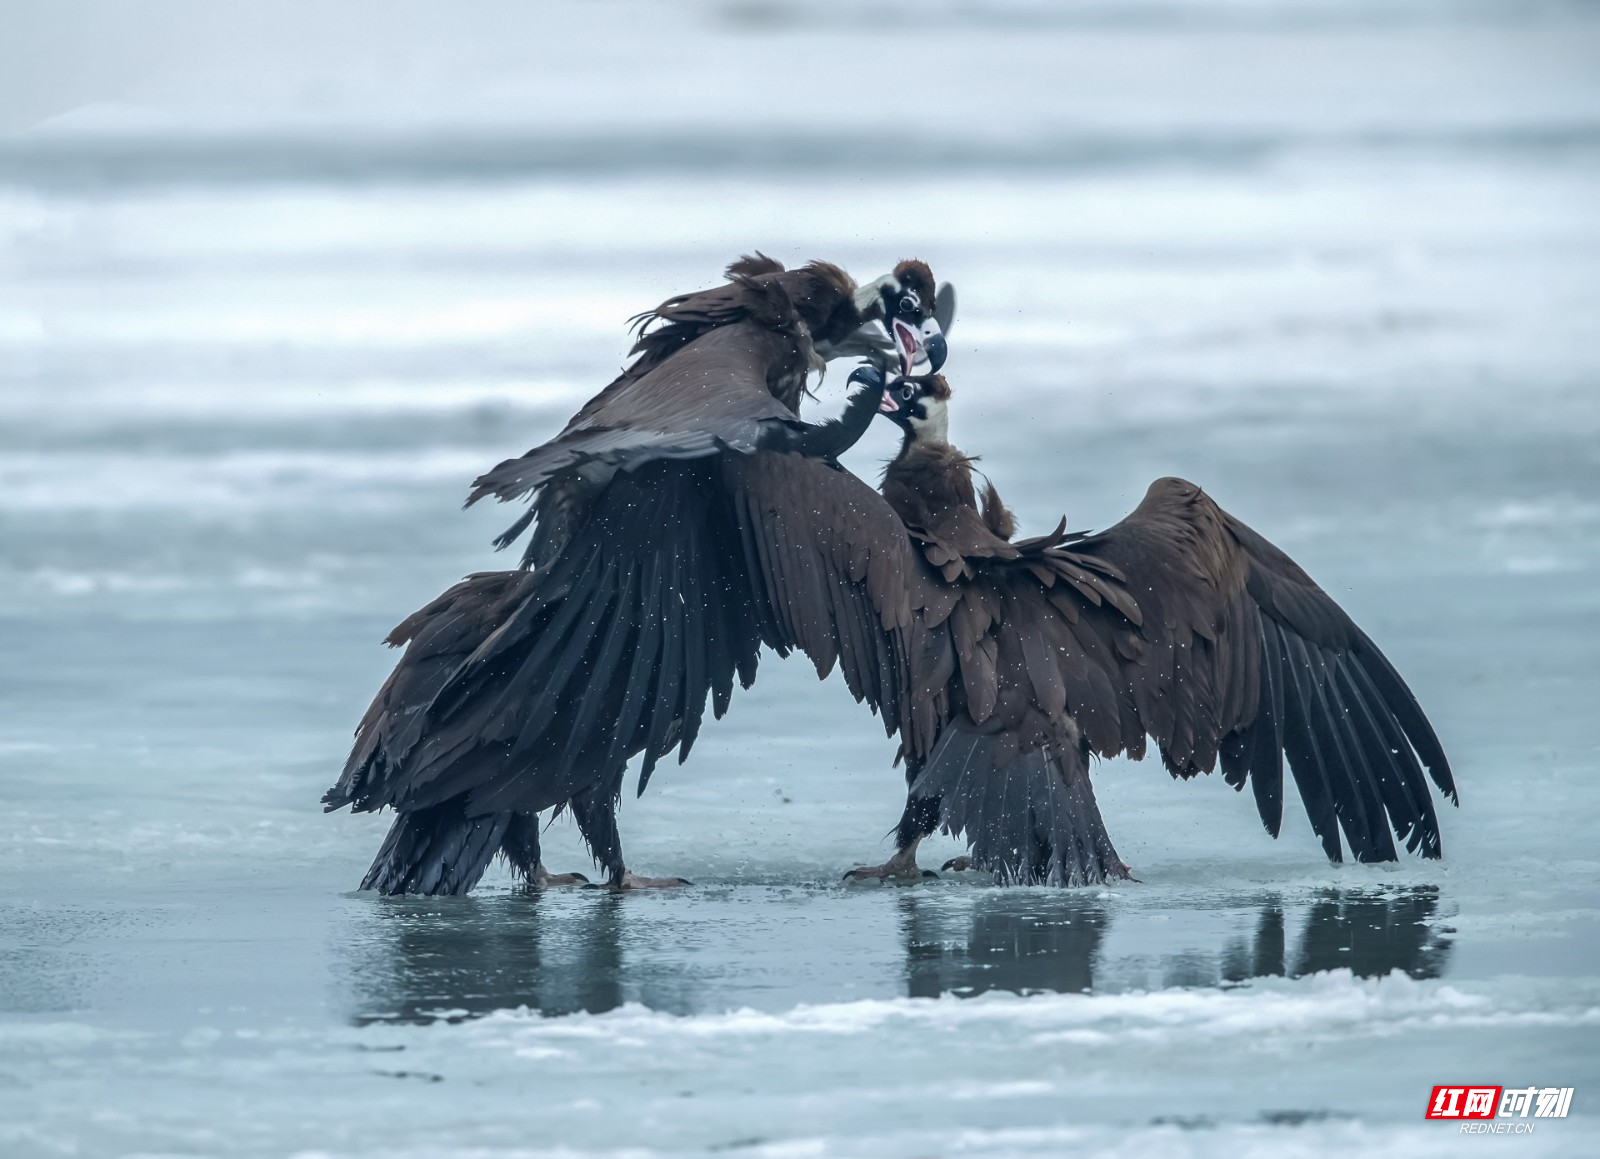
<point>834,575</point>
<point>658,603</point>
<point>1240,657</point>
<point>439,638</point>
<point>1182,624</point>
<point>610,651</point>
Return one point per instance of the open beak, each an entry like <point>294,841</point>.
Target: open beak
<point>888,406</point>
<point>922,349</point>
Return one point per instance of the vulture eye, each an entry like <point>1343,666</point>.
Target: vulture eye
<point>909,304</point>
<point>907,391</point>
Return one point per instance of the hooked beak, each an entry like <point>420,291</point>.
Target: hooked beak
<point>922,350</point>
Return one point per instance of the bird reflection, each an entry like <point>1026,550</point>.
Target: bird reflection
<point>1017,940</point>
<point>1368,933</point>
<point>428,959</point>
<point>431,959</point>
<point>1029,941</point>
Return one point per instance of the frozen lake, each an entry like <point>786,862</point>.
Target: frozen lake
<point>240,403</point>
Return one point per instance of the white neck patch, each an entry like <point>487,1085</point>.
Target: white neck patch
<point>935,428</point>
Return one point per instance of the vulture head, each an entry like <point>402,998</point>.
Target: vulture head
<point>838,317</point>
<point>914,311</point>
<point>919,406</point>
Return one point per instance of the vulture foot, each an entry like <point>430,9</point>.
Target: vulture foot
<point>631,881</point>
<point>957,865</point>
<point>901,869</point>
<point>543,878</point>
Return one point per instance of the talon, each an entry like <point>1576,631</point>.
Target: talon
<point>958,864</point>
<point>901,869</point>
<point>543,878</point>
<point>869,873</point>
<point>631,880</point>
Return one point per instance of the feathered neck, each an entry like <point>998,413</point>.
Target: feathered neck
<point>932,431</point>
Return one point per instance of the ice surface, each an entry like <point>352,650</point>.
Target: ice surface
<point>1336,263</point>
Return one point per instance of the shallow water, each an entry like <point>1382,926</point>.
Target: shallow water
<point>239,410</point>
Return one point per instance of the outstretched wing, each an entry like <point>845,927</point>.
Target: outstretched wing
<point>439,638</point>
<point>1240,656</point>
<point>833,574</point>
<point>661,599</point>
<point>610,651</point>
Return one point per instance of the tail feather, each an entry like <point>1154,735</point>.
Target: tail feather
<point>1033,821</point>
<point>437,850</point>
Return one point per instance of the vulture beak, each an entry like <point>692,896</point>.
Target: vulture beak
<point>922,349</point>
<point>888,406</point>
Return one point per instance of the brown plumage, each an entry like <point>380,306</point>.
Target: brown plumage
<point>1179,623</point>
<point>719,368</point>
<point>679,532</point>
<point>518,695</point>
<point>914,275</point>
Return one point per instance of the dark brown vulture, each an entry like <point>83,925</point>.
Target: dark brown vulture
<point>1179,623</point>
<point>646,586</point>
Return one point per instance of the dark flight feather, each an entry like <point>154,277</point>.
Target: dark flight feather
<point>1181,623</point>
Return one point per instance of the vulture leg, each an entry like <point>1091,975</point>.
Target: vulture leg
<point>595,811</point>
<point>521,848</point>
<point>920,818</point>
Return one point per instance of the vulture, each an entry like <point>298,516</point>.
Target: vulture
<point>684,517</point>
<point>1179,623</point>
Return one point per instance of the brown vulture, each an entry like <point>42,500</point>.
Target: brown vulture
<point>686,516</point>
<point>645,585</point>
<point>1178,623</point>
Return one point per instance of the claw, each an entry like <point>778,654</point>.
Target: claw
<point>631,881</point>
<point>958,864</point>
<point>879,873</point>
<point>902,868</point>
<point>543,878</point>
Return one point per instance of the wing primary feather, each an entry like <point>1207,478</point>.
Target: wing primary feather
<point>1402,705</point>
<point>1365,785</point>
<point>1348,802</point>
<point>1405,813</point>
<point>570,628</point>
<point>696,640</point>
<point>1266,771</point>
<point>1400,748</point>
<point>599,693</point>
<point>1305,762</point>
<point>642,674</point>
